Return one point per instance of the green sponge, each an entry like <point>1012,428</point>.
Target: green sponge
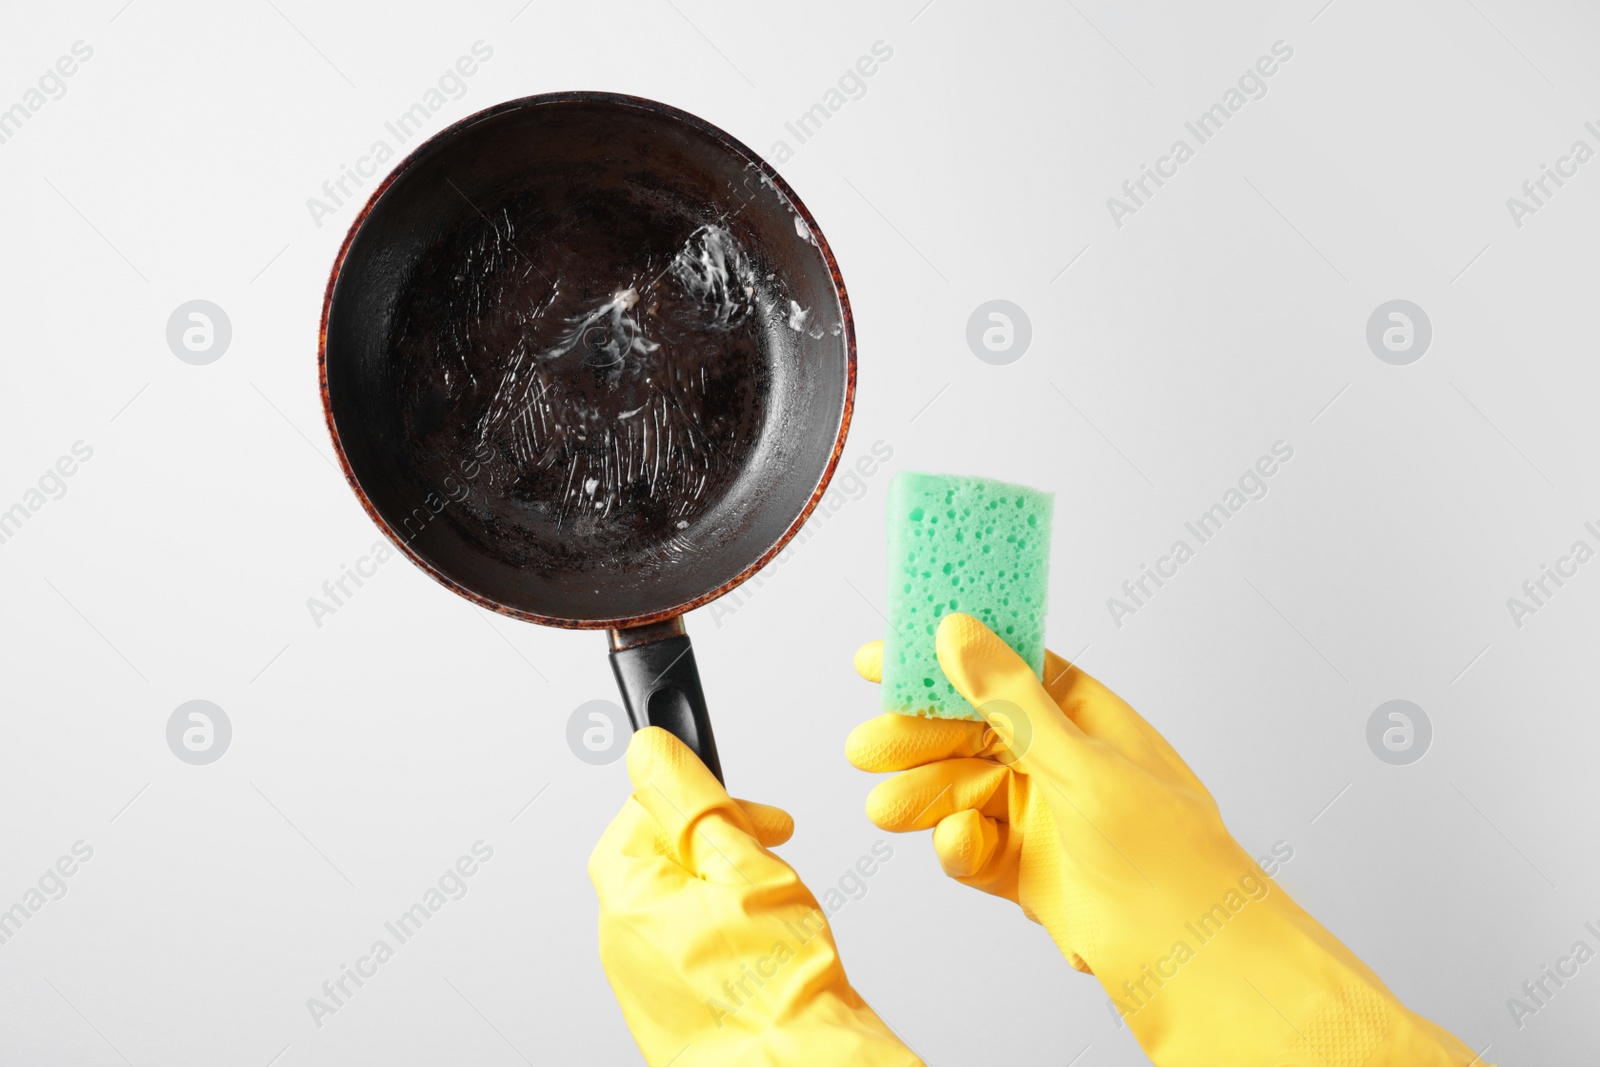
<point>960,544</point>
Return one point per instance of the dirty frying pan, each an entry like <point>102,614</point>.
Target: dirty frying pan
<point>589,362</point>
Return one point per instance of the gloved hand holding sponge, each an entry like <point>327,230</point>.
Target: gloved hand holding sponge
<point>1040,786</point>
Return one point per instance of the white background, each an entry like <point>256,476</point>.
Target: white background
<point>369,753</point>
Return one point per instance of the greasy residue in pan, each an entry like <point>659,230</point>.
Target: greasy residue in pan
<point>608,370</point>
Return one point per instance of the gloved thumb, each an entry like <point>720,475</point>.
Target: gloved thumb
<point>1034,734</point>
<point>711,834</point>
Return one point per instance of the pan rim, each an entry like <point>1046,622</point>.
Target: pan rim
<point>723,138</point>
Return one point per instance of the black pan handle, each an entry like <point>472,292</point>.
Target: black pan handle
<point>660,685</point>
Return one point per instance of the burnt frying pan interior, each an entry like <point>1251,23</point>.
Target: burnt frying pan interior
<point>585,361</point>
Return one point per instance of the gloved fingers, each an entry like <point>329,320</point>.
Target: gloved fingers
<point>772,826</point>
<point>869,661</point>
<point>1103,715</point>
<point>895,742</point>
<point>709,832</point>
<point>921,797</point>
<point>965,842</point>
<point>634,832</point>
<point>995,680</point>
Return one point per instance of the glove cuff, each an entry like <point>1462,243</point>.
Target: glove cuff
<point>1275,987</point>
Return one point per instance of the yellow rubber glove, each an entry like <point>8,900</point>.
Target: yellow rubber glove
<point>717,953</point>
<point>1067,802</point>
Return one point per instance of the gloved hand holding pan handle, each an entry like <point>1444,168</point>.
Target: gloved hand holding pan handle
<point>1067,802</point>
<point>718,954</point>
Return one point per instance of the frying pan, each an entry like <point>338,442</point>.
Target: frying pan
<point>588,361</point>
